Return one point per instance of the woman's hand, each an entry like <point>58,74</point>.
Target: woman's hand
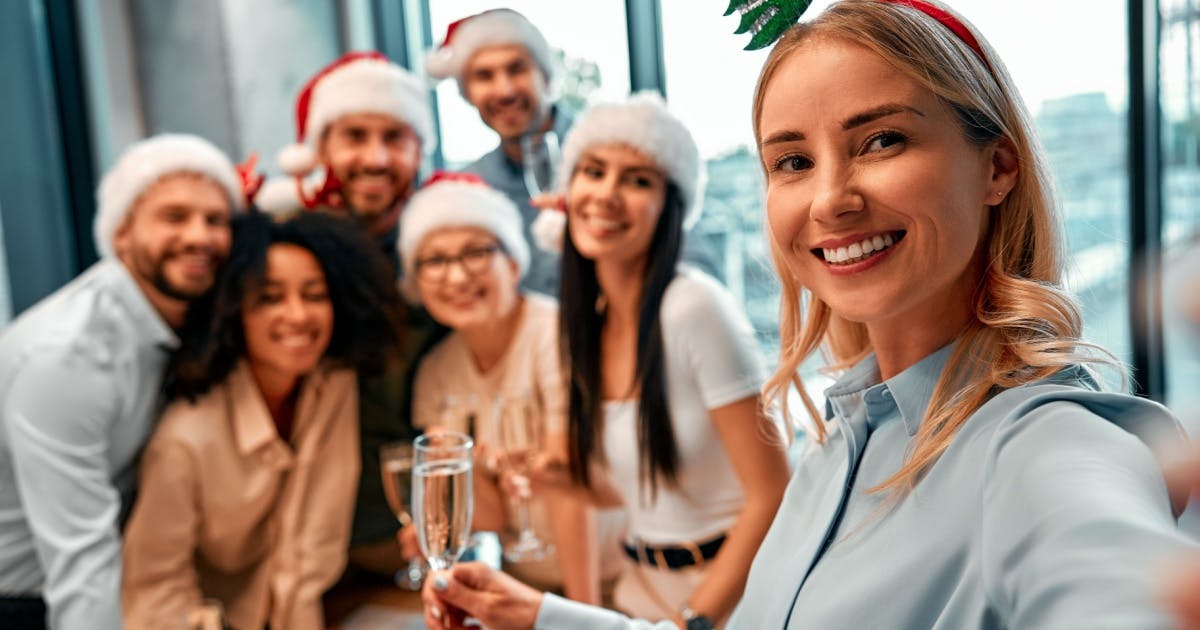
<point>472,589</point>
<point>410,549</point>
<point>548,472</point>
<point>549,201</point>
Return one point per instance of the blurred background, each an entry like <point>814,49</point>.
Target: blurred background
<point>1114,86</point>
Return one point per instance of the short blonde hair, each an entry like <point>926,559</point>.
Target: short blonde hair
<point>1025,327</point>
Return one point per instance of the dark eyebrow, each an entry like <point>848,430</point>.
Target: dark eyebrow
<point>641,170</point>
<point>782,136</point>
<point>882,111</point>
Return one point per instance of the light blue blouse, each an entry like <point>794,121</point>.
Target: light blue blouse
<point>1048,510</point>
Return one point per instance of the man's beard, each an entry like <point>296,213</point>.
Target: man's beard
<point>154,270</point>
<point>368,217</point>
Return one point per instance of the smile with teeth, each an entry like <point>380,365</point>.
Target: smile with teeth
<point>602,223</point>
<point>296,340</point>
<point>860,251</point>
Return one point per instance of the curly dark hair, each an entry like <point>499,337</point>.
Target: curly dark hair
<point>367,309</point>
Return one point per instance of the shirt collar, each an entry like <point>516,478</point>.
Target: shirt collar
<point>911,390</point>
<point>252,424</point>
<point>842,397</point>
<point>143,314</point>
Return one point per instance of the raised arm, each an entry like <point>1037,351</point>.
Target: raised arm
<point>1076,518</point>
<point>756,452</point>
<point>501,602</point>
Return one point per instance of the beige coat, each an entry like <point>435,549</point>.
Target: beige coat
<point>227,510</point>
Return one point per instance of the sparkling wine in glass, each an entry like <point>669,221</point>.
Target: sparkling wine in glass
<point>396,463</point>
<point>443,499</point>
<point>539,161</point>
<point>518,431</point>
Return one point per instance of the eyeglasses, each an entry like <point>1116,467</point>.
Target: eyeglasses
<point>474,260</point>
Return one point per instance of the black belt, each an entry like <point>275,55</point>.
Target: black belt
<point>672,556</point>
<point>23,612</point>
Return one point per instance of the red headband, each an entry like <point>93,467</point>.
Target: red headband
<point>949,21</point>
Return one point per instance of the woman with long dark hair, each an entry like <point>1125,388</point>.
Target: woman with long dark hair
<point>248,483</point>
<point>664,371</point>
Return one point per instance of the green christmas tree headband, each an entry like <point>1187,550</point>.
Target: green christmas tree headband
<point>767,20</point>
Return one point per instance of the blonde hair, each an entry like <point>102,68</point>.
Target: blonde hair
<point>1025,327</point>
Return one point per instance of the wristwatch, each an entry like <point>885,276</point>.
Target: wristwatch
<point>693,620</point>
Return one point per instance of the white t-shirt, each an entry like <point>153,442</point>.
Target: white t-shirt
<point>712,360</point>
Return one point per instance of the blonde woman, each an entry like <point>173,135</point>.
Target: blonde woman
<point>966,471</point>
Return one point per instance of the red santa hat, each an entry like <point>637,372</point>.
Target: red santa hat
<point>146,162</point>
<point>458,200</point>
<point>643,122</point>
<point>494,27</point>
<point>362,82</point>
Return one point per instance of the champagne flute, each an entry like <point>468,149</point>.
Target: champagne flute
<point>443,499</point>
<point>518,431</point>
<point>539,161</point>
<point>396,463</point>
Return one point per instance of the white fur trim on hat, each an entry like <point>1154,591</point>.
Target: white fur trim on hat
<point>642,122</point>
<point>364,86</point>
<point>490,28</point>
<point>279,196</point>
<point>458,204</point>
<point>297,159</point>
<point>146,162</point>
<point>549,229</point>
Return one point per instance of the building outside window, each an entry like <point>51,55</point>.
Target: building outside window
<point>1179,72</point>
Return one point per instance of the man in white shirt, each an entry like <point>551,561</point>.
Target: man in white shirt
<point>80,374</point>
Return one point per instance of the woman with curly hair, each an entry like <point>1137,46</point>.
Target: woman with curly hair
<point>966,470</point>
<point>248,483</point>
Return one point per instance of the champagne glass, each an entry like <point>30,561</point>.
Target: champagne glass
<point>518,432</point>
<point>443,500</point>
<point>539,161</point>
<point>396,463</point>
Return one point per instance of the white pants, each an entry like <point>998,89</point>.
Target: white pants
<point>654,593</point>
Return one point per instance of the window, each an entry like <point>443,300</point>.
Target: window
<point>227,71</point>
<point>1179,54</point>
<point>589,40</point>
<point>5,299</point>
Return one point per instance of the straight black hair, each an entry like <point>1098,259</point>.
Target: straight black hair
<point>580,323</point>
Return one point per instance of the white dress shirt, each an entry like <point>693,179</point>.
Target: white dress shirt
<point>80,375</point>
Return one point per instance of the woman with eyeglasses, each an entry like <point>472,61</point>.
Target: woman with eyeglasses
<point>464,252</point>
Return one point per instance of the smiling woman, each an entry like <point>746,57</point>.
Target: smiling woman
<point>267,404</point>
<point>464,253</point>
